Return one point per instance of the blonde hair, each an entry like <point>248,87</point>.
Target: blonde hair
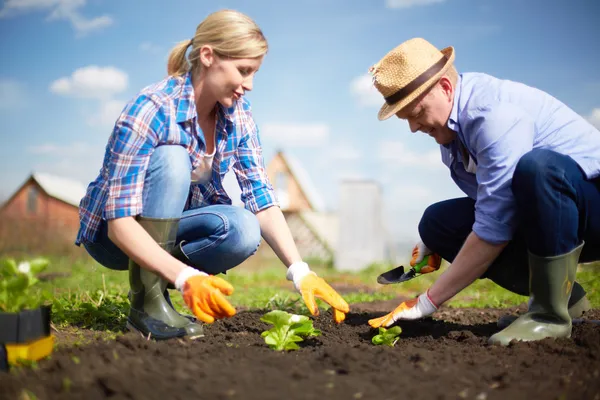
<point>230,34</point>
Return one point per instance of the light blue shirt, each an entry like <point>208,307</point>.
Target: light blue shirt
<point>498,121</point>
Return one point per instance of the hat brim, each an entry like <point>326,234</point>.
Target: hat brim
<point>388,110</point>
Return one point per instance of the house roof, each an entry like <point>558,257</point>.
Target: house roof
<point>324,225</point>
<point>61,188</point>
<point>303,179</point>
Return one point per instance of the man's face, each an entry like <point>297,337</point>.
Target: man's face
<point>429,113</point>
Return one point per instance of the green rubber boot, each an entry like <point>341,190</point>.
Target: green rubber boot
<point>150,313</point>
<point>578,305</point>
<point>550,284</point>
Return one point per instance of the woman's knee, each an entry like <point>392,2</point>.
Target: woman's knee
<point>245,231</point>
<point>235,236</point>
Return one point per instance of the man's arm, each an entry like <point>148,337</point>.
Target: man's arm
<point>473,259</point>
<point>470,263</point>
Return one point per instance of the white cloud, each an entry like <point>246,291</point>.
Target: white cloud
<point>395,153</point>
<point>364,92</point>
<point>409,3</point>
<point>91,82</point>
<point>77,160</point>
<point>594,117</point>
<point>58,10</point>
<point>12,94</point>
<point>108,114</point>
<point>76,149</point>
<point>350,175</point>
<point>151,48</point>
<point>410,195</point>
<point>344,152</point>
<point>298,135</point>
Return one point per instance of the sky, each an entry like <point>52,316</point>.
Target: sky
<point>69,66</point>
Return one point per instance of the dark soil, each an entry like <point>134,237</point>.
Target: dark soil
<point>445,358</point>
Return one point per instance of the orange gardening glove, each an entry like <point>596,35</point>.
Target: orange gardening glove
<point>416,308</point>
<point>310,286</point>
<point>205,295</point>
<point>421,251</point>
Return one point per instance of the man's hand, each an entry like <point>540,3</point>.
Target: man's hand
<point>421,251</point>
<point>205,295</point>
<point>311,286</point>
<point>416,308</point>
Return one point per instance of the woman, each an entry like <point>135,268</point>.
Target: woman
<point>158,207</point>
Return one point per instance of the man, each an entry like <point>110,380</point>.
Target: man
<point>530,167</point>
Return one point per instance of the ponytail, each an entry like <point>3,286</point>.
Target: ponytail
<point>178,64</point>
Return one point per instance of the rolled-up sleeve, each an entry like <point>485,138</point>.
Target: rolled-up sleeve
<point>502,135</point>
<point>256,190</point>
<point>134,139</point>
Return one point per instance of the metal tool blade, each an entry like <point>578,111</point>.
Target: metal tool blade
<point>396,275</point>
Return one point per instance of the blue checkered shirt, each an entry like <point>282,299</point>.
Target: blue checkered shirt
<point>165,113</point>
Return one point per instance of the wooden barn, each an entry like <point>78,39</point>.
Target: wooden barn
<point>41,215</point>
<point>314,230</point>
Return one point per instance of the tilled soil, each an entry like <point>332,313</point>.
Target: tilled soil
<point>443,358</point>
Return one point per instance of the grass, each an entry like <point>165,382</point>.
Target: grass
<point>87,295</point>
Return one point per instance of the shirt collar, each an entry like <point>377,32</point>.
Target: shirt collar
<point>226,113</point>
<point>453,119</point>
<point>186,107</point>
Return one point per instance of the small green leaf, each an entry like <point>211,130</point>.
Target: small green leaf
<point>377,339</point>
<point>387,337</point>
<point>39,264</point>
<point>277,318</point>
<point>8,267</point>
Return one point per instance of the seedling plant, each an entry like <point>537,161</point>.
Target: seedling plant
<point>387,337</point>
<point>288,330</point>
<point>16,283</point>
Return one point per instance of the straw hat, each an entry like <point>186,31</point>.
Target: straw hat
<point>408,71</point>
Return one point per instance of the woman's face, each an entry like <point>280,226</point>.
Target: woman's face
<point>228,79</point>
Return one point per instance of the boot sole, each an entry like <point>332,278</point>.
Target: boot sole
<point>132,328</point>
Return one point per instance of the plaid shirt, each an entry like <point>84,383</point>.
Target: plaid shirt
<point>165,113</point>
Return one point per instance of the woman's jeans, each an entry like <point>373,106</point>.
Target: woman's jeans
<point>558,208</point>
<point>216,237</point>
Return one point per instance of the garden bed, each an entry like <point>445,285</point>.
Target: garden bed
<point>434,359</point>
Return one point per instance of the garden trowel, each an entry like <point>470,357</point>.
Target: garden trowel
<point>397,275</point>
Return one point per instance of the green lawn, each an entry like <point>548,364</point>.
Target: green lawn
<point>85,294</point>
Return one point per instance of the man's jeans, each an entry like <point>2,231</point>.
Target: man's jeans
<point>557,207</point>
<point>217,237</point>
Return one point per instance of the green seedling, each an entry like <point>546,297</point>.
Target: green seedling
<point>288,330</point>
<point>387,337</point>
<point>16,282</point>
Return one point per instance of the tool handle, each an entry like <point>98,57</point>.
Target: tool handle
<point>420,265</point>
